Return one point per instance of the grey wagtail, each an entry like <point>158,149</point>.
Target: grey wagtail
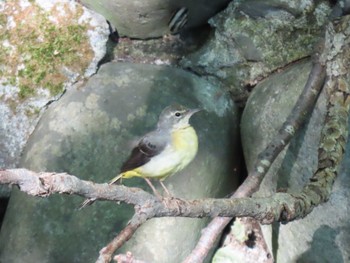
<point>162,152</point>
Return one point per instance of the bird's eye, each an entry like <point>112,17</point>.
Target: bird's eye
<point>177,114</point>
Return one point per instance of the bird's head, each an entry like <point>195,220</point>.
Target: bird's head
<point>175,117</point>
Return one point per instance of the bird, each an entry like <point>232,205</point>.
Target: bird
<point>162,152</point>
<point>178,20</point>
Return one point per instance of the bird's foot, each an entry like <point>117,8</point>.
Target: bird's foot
<point>172,203</point>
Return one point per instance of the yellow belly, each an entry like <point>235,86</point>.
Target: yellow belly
<point>185,143</point>
<point>174,157</point>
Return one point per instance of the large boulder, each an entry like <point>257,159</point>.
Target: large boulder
<point>89,133</point>
<point>149,19</point>
<point>46,46</point>
<point>323,235</point>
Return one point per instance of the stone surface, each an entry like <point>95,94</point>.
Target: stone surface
<point>243,243</point>
<point>323,235</point>
<point>252,39</point>
<point>89,133</point>
<point>149,19</point>
<point>45,47</point>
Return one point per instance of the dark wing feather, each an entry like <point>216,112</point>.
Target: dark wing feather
<point>150,145</point>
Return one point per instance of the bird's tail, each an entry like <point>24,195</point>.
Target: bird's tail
<point>86,203</point>
<point>91,200</point>
<point>116,179</point>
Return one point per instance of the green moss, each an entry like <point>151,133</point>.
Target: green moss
<point>54,89</point>
<point>42,48</point>
<point>25,91</point>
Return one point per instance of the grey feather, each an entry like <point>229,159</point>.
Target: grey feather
<point>150,145</point>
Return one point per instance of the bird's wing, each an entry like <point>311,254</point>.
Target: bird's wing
<point>150,145</point>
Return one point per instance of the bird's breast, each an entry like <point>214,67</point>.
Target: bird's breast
<point>176,155</point>
<point>185,143</point>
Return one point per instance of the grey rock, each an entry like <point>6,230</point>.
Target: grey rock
<point>254,38</point>
<point>323,235</point>
<point>149,19</point>
<point>89,133</point>
<point>21,105</point>
<point>97,32</point>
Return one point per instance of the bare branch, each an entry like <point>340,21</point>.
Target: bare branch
<point>280,207</point>
<point>127,258</point>
<point>327,53</point>
<point>208,239</point>
<point>300,112</point>
<point>46,183</point>
<point>107,252</point>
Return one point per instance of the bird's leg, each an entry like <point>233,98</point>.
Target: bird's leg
<point>171,197</point>
<point>148,181</point>
<point>165,189</point>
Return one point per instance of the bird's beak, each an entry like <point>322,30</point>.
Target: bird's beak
<point>193,111</point>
